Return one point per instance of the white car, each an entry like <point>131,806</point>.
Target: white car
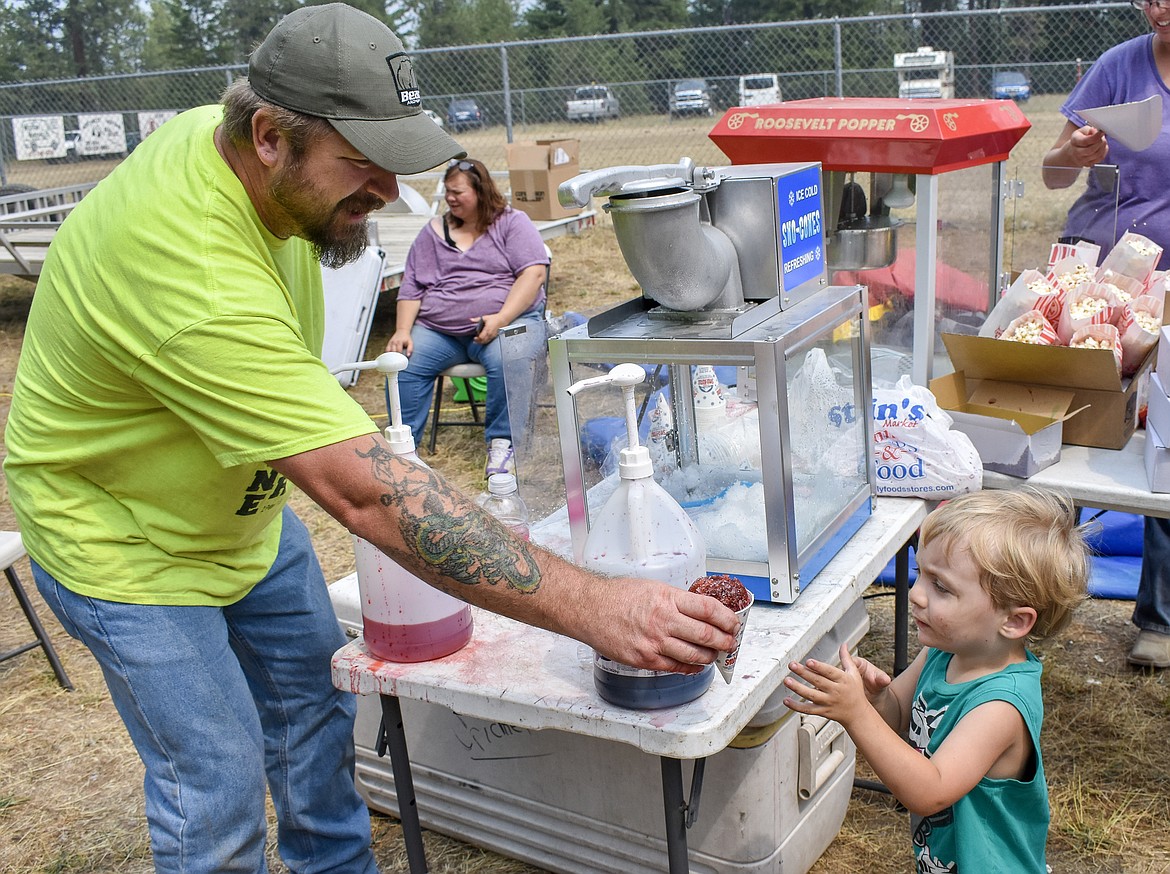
<point>759,89</point>
<point>592,103</point>
<point>433,116</point>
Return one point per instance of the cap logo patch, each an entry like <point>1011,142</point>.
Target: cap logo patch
<point>404,81</point>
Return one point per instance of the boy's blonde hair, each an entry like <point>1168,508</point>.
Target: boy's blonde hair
<point>1027,545</point>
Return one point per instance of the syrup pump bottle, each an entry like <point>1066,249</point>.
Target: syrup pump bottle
<point>642,532</point>
<point>403,618</point>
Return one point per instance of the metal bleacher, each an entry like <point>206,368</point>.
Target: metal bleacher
<point>28,220</point>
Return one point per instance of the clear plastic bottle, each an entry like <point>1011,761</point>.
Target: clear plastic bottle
<point>710,400</point>
<point>642,531</point>
<point>405,619</point>
<point>662,440</point>
<point>504,502</point>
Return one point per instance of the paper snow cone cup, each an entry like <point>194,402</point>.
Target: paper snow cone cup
<point>725,661</point>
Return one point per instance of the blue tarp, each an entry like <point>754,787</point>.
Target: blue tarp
<point>1116,539</point>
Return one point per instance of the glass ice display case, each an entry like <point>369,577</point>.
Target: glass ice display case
<point>763,437</point>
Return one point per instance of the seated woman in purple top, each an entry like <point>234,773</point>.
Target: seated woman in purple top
<point>469,273</point>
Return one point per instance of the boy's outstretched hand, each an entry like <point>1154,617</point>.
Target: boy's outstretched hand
<point>840,694</point>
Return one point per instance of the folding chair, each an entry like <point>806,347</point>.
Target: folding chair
<point>12,551</point>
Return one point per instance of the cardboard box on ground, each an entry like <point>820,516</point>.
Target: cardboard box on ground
<point>535,169</point>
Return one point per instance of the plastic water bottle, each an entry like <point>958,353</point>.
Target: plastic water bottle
<point>642,531</point>
<point>504,502</point>
<point>662,438</point>
<point>710,401</point>
<point>404,619</point>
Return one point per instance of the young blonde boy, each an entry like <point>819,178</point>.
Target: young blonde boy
<point>996,569</point>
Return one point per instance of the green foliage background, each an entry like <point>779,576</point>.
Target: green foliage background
<point>59,39</point>
<point>521,59</point>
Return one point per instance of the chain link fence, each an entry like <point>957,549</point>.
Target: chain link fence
<point>55,133</point>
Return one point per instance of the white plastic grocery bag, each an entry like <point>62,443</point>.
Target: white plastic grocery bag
<point>916,452</point>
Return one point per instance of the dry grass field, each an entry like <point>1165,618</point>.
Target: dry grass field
<point>70,782</point>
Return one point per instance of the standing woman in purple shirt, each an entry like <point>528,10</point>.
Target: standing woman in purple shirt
<point>1132,71</point>
<point>469,273</point>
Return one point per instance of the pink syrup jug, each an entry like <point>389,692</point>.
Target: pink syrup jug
<point>403,618</point>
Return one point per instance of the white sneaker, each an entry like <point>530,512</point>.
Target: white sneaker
<point>500,457</point>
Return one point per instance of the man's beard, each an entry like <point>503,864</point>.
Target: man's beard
<point>335,240</point>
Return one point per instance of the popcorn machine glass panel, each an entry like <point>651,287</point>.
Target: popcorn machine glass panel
<point>956,252</point>
<point>1039,216</point>
<point>775,471</point>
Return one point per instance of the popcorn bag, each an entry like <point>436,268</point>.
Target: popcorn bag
<point>1087,305</point>
<point>1082,252</point>
<point>1068,273</point>
<point>1030,291</point>
<point>916,452</point>
<point>1099,337</point>
<point>1124,288</point>
<point>1033,328</point>
<point>1134,255</point>
<point>1157,286</point>
<point>1139,326</point>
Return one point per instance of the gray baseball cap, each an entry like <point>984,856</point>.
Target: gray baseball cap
<point>342,65</point>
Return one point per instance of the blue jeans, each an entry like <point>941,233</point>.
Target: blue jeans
<point>433,353</point>
<point>216,700</point>
<point>1151,610</point>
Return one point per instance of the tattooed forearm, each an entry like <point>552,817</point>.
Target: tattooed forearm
<point>450,534</point>
<point>464,544</point>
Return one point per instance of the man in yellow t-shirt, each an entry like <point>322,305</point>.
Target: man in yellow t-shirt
<point>169,391</point>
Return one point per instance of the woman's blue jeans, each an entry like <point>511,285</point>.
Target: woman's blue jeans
<point>433,353</point>
<point>1152,604</point>
<point>219,700</point>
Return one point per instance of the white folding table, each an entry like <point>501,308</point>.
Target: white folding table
<point>1109,479</point>
<point>524,676</point>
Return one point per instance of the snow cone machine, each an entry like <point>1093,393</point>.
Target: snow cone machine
<point>750,355</point>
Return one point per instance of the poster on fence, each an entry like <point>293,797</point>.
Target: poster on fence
<point>102,133</point>
<point>149,122</point>
<point>38,136</point>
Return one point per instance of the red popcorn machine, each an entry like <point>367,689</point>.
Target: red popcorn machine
<point>915,199</point>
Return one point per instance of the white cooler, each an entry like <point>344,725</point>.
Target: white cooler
<point>773,801</point>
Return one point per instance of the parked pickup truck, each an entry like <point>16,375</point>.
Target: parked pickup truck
<point>592,103</point>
